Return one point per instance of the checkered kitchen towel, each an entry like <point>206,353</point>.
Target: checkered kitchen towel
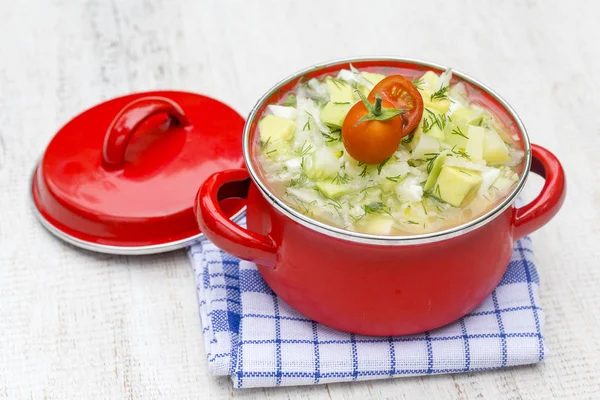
<point>257,339</point>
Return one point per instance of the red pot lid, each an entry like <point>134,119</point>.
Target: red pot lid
<point>122,176</point>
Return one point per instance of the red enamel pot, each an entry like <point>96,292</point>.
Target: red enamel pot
<point>367,284</point>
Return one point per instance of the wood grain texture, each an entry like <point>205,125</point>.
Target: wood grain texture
<point>79,325</point>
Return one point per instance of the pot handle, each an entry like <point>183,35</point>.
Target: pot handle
<point>223,232</point>
<point>540,211</point>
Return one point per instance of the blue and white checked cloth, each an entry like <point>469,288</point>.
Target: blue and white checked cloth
<point>257,339</point>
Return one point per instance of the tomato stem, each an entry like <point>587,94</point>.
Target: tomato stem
<point>377,109</point>
<point>376,112</point>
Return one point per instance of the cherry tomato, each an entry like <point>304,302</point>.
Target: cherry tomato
<point>404,95</point>
<point>373,140</point>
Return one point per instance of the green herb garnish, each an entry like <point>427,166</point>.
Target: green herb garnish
<point>290,100</point>
<point>431,160</point>
<point>299,181</point>
<point>380,166</point>
<point>418,83</point>
<point>331,137</point>
<point>265,144</point>
<point>397,178</point>
<point>458,131</point>
<point>305,149</point>
<point>341,178</point>
<point>375,208</point>
<point>441,94</point>
<point>364,172</point>
<point>460,153</point>
<point>407,139</point>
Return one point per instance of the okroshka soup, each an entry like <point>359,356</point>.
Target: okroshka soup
<point>387,150</point>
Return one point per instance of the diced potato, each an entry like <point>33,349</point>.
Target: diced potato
<point>373,78</point>
<point>334,114</point>
<point>426,144</point>
<point>474,146</point>
<point>273,128</point>
<point>456,186</point>
<point>441,105</point>
<point>339,91</point>
<point>377,225</point>
<point>430,79</point>
<point>464,114</point>
<point>494,148</point>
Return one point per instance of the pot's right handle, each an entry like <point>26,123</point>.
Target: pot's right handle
<point>219,228</point>
<point>540,211</point>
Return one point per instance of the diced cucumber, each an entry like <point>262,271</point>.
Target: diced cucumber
<point>339,91</point>
<point>494,148</point>
<point>273,128</point>
<point>333,114</point>
<point>332,190</point>
<point>435,171</point>
<point>456,186</point>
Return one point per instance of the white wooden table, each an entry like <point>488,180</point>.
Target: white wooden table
<point>78,325</point>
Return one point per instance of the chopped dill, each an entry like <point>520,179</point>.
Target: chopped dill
<point>375,208</point>
<point>412,222</point>
<point>459,132</point>
<point>331,136</point>
<point>364,172</point>
<point>341,102</point>
<point>424,208</point>
<point>265,144</point>
<point>299,181</point>
<point>397,178</point>
<point>431,160</point>
<point>418,83</point>
<point>341,179</point>
<point>305,149</point>
<point>460,153</point>
<point>441,94</point>
<point>338,82</point>
<point>465,172</point>
<point>272,151</point>
<point>407,139</point>
<point>380,166</point>
<point>306,125</point>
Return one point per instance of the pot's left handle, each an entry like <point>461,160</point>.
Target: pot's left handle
<point>223,232</point>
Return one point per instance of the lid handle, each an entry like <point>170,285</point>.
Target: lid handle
<point>129,119</point>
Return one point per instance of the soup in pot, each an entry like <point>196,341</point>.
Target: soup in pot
<point>379,153</point>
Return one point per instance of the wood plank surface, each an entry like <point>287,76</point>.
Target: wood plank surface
<point>76,325</point>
